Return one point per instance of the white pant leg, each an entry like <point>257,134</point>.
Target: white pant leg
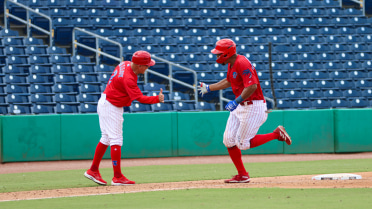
<point>110,122</point>
<point>232,125</point>
<point>251,118</point>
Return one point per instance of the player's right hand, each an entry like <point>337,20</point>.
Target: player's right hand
<point>161,96</point>
<point>203,88</point>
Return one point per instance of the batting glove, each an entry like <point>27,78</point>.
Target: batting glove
<point>231,106</point>
<point>203,88</point>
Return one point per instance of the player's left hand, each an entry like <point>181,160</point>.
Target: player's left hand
<point>231,106</point>
<point>161,96</point>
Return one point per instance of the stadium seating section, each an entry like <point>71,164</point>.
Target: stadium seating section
<point>321,53</point>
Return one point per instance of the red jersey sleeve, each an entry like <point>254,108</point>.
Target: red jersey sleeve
<point>135,93</point>
<point>247,72</point>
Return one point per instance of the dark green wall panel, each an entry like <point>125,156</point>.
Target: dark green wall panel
<point>353,130</point>
<point>30,138</point>
<point>312,131</point>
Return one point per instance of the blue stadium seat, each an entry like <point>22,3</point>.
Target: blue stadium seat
<point>294,66</point>
<point>138,107</point>
<point>356,47</point>
<point>349,93</point>
<point>333,93</point>
<point>65,78</point>
<point>16,60</point>
<point>17,98</point>
<point>281,75</point>
<point>338,75</point>
<point>67,108</point>
<point>363,56</point>
<point>13,41</point>
<point>43,109</point>
<point>359,102</point>
<point>83,68</point>
<point>88,108</point>
<point>16,88</point>
<point>340,103</point>
<point>321,104</point>
<point>313,93</point>
<point>364,30</point>
<point>325,84</point>
<point>366,93</point>
<point>41,98</point>
<point>307,84</point>
<point>205,106</point>
<point>183,106</point>
<point>33,41</point>
<point>38,59</point>
<point>13,50</point>
<point>32,50</point>
<point>15,79</point>
<point>62,68</point>
<point>299,75</point>
<point>103,77</point>
<point>40,88</point>
<point>293,94</point>
<point>325,56</point>
<point>90,88</point>
<point>104,68</point>
<point>89,97</point>
<point>20,109</point>
<point>363,83</point>
<point>284,104</point>
<point>56,50</point>
<point>287,84</point>
<point>159,107</point>
<point>40,78</point>
<point>301,104</point>
<point>153,87</point>
<point>80,59</point>
<point>179,96</point>
<point>87,78</point>
<point>65,88</point>
<point>319,75</point>
<point>344,84</point>
<point>8,33</point>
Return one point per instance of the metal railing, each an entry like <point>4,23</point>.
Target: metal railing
<point>170,77</point>
<point>97,50</point>
<point>28,20</point>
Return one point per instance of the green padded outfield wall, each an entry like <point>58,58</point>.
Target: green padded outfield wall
<point>312,131</point>
<point>30,138</point>
<point>69,137</point>
<point>353,130</point>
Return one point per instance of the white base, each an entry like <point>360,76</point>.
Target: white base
<point>337,176</point>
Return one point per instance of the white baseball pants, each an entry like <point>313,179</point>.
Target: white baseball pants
<point>111,122</point>
<point>244,123</point>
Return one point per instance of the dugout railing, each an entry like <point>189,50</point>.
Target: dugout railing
<point>27,21</point>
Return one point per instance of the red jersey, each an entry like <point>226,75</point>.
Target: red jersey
<point>242,75</point>
<point>122,87</point>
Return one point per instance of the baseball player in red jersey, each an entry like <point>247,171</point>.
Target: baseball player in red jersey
<point>247,112</point>
<point>120,91</point>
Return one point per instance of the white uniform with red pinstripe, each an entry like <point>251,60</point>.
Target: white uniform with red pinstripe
<point>243,124</point>
<point>245,121</point>
<point>111,122</point>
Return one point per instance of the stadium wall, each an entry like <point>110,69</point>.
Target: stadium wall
<point>169,134</point>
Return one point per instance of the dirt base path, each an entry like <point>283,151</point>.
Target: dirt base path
<point>303,181</point>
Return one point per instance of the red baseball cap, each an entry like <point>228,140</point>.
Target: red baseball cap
<point>142,58</point>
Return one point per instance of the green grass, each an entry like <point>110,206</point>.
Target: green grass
<point>172,173</point>
<point>212,198</point>
<point>271,198</point>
